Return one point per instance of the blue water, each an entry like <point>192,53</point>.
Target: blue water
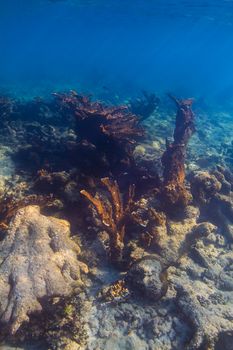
<point>118,46</point>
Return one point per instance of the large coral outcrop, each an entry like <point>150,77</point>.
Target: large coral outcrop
<point>174,191</point>
<point>38,261</point>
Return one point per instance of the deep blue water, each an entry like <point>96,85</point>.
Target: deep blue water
<point>121,46</point>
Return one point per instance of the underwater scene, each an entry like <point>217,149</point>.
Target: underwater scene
<point>116,175</point>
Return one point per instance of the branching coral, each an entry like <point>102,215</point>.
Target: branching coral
<point>173,159</point>
<point>113,214</point>
<point>108,133</point>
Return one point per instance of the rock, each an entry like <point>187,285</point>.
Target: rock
<point>174,237</point>
<point>136,324</point>
<point>128,342</point>
<point>220,210</point>
<point>148,277</point>
<point>51,182</point>
<point>208,319</point>
<point>71,192</point>
<point>225,341</point>
<point>213,192</point>
<point>204,186</point>
<point>204,284</point>
<point>226,185</point>
<point>38,260</point>
<point>136,252</point>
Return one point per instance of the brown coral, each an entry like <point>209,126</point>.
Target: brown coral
<point>113,215</point>
<point>173,159</point>
<point>114,121</point>
<point>106,133</point>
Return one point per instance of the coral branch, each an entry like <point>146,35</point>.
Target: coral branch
<point>101,210</point>
<point>116,198</point>
<point>173,159</point>
<point>113,215</point>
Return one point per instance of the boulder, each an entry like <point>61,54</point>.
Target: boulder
<point>38,261</point>
<point>147,277</point>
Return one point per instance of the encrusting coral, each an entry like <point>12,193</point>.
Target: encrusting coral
<point>113,214</point>
<point>174,191</point>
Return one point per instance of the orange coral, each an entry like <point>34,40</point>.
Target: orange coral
<point>113,215</point>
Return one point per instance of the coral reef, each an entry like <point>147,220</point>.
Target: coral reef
<point>168,236</point>
<point>38,261</point>
<point>195,310</point>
